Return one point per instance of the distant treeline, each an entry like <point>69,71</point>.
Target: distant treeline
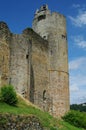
<point>80,107</point>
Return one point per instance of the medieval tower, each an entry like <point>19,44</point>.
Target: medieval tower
<point>52,27</point>
<point>36,62</point>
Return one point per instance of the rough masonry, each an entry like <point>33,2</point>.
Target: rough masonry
<point>36,62</point>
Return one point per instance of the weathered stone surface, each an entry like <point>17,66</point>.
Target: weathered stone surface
<point>18,122</point>
<point>19,64</point>
<point>37,64</point>
<point>52,27</point>
<point>4,53</point>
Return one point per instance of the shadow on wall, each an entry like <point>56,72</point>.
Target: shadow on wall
<point>31,84</point>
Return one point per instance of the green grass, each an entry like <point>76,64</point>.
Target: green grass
<point>46,119</point>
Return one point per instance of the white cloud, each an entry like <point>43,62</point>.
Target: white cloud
<point>80,19</point>
<point>75,5</point>
<point>79,41</point>
<point>78,80</point>
<point>77,67</point>
<point>74,87</point>
<point>78,97</point>
<point>77,63</point>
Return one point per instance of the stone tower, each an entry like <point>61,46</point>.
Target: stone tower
<point>52,27</point>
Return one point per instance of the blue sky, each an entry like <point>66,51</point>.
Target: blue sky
<point>18,14</point>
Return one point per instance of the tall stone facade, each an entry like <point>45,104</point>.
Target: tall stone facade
<point>52,27</point>
<point>36,62</point>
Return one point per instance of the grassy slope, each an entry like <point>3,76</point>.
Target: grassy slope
<point>25,107</point>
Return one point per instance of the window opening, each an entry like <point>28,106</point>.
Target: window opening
<point>27,56</point>
<point>44,37</point>
<point>41,17</point>
<point>63,36</point>
<point>44,7</point>
<point>44,95</point>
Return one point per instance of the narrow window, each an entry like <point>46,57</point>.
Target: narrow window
<point>63,36</point>
<point>44,95</point>
<point>27,56</point>
<point>44,7</point>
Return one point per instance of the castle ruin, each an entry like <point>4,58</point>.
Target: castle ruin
<point>36,61</point>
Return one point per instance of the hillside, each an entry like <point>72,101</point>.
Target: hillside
<point>80,107</point>
<point>25,108</point>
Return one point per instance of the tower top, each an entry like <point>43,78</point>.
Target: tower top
<point>43,10</point>
<point>44,7</point>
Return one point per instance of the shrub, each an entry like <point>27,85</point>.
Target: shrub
<point>8,95</point>
<point>76,118</point>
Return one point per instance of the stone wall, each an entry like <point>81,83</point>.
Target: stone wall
<point>39,63</point>
<point>19,64</point>
<point>28,65</point>
<point>59,92</point>
<point>4,53</point>
<point>24,63</point>
<point>18,122</point>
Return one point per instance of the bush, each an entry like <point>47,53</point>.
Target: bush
<point>76,118</point>
<point>8,95</point>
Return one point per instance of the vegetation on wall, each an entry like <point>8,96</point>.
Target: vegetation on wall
<point>8,95</point>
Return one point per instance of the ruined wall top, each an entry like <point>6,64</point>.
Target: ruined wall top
<point>4,27</point>
<point>34,37</point>
<point>4,31</point>
<point>43,10</point>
